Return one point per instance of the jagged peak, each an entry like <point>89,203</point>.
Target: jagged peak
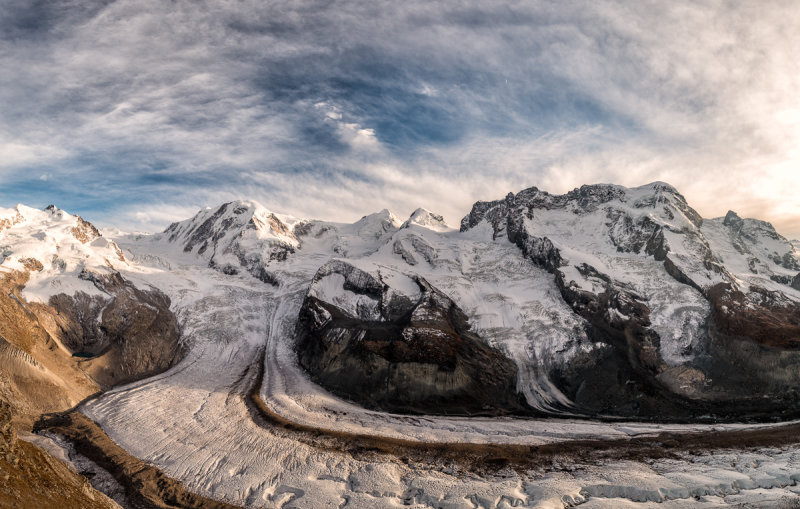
<point>588,198</point>
<point>236,215</point>
<point>427,219</point>
<point>749,226</point>
<point>732,220</point>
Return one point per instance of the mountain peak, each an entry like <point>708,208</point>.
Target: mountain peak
<point>426,219</point>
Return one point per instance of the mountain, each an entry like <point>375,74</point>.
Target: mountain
<point>608,301</point>
<point>683,303</point>
<point>663,313</point>
<point>605,300</point>
<point>71,323</point>
<point>598,305</point>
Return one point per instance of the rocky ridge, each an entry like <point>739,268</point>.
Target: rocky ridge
<point>590,237</point>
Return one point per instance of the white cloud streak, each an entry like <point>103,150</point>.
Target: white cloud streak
<point>336,110</point>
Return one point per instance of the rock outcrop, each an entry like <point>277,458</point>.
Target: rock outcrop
<point>56,354</point>
<point>396,343</point>
<point>127,334</point>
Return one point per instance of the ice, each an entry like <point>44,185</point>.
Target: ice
<point>193,421</point>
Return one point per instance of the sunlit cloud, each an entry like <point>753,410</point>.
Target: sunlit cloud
<point>138,112</point>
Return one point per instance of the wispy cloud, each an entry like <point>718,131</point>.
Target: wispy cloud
<point>336,109</point>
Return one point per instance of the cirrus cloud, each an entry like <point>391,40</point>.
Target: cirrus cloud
<point>336,109</point>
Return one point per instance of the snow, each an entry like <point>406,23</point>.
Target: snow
<point>426,219</point>
<point>209,440</point>
<point>47,236</point>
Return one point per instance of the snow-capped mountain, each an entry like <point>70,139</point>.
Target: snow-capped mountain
<point>237,235</point>
<point>54,244</point>
<point>71,323</point>
<point>604,302</point>
<point>603,279</point>
<point>661,286</point>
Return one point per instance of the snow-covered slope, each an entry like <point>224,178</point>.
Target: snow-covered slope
<point>57,246</point>
<point>236,235</point>
<point>426,219</point>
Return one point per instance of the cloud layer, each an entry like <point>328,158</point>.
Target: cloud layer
<point>136,112</point>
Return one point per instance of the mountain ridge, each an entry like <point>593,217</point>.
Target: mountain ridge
<point>644,285</point>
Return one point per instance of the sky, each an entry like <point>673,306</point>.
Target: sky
<point>136,113</point>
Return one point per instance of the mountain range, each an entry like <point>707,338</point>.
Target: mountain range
<point>602,304</point>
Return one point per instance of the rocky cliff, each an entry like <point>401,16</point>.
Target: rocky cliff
<point>397,343</point>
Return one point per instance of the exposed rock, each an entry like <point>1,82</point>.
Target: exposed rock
<point>32,264</point>
<point>8,222</point>
<point>796,282</point>
<point>84,231</point>
<point>733,221</point>
<point>407,350</point>
<point>412,248</point>
<point>129,334</point>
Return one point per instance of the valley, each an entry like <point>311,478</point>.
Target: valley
<point>616,327</point>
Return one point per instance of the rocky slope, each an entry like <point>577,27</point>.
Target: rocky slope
<point>29,477</point>
<point>700,315</point>
<point>397,343</point>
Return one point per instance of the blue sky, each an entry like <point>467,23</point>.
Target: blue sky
<point>138,112</point>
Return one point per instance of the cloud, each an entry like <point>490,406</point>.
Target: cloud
<point>322,109</point>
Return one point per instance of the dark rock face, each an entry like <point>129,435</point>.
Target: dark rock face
<point>766,317</point>
<point>129,334</point>
<point>403,353</point>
